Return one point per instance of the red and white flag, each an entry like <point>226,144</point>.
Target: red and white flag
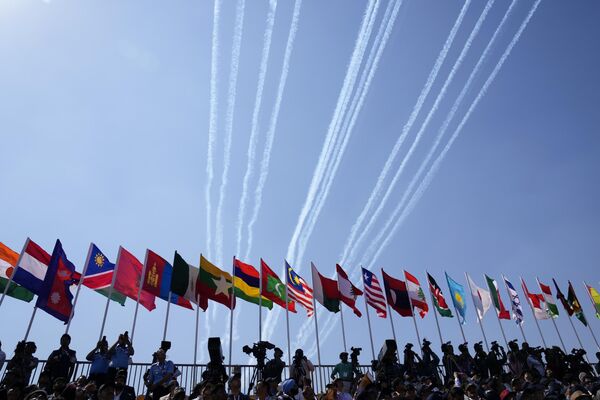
<point>348,292</point>
<point>415,294</point>
<point>373,293</point>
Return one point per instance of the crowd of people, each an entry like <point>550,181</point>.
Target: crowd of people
<point>517,373</point>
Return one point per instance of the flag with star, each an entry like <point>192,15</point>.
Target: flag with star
<point>213,284</point>
<point>99,275</point>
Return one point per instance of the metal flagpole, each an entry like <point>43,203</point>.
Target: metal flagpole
<point>196,338</point>
<point>511,306</point>
<point>553,322</point>
<point>287,319</point>
<point>137,304</point>
<point>487,347</point>
<point>85,267</point>
<point>318,344</point>
<point>343,329</point>
<point>369,322</point>
<point>260,303</point>
<point>231,314</point>
<point>30,323</point>
<point>462,332</point>
<point>575,332</point>
<point>110,292</point>
<point>10,278</point>
<point>588,324</point>
<point>392,323</point>
<point>437,323</point>
<point>533,314</point>
<point>167,317</point>
<point>417,330</point>
<point>498,317</point>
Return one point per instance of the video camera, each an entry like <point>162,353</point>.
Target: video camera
<point>259,351</point>
<point>386,366</point>
<point>215,371</point>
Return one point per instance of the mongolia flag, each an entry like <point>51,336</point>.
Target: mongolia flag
<point>127,282</point>
<point>31,271</point>
<point>157,279</point>
<point>99,272</point>
<point>55,295</point>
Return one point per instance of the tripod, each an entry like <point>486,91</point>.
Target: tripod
<point>257,374</point>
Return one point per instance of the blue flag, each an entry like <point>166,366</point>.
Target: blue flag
<point>457,292</point>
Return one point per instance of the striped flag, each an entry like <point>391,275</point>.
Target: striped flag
<point>299,291</point>
<point>515,302</point>
<point>373,293</point>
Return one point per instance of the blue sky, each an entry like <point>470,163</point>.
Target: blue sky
<point>104,114</point>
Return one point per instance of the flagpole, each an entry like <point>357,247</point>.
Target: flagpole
<point>392,323</point>
<point>85,267</point>
<point>552,318</point>
<point>110,292</point>
<point>343,329</point>
<point>231,313</point>
<point>511,302</point>
<point>594,306</point>
<point>30,323</point>
<point>196,336</point>
<point>260,303</point>
<point>417,330</point>
<point>368,320</point>
<point>437,323</point>
<point>287,317</point>
<point>476,312</point>
<point>318,344</point>
<point>10,278</point>
<point>137,304</point>
<point>497,311</point>
<point>167,317</point>
<point>533,313</point>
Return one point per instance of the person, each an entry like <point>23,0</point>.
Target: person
<point>262,390</point>
<point>344,372</point>
<point>61,362</point>
<point>341,389</point>
<point>2,357</point>
<point>411,359</point>
<point>58,386</point>
<point>274,367</point>
<point>464,359</point>
<point>235,388</point>
<point>122,390</point>
<point>516,361</point>
<point>430,360</point>
<point>23,362</point>
<point>496,359</point>
<point>449,362</point>
<point>106,391</point>
<point>301,368</point>
<point>480,361</point>
<point>119,353</point>
<point>100,360</point>
<point>160,374</point>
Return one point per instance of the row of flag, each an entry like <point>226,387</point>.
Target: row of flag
<point>51,278</point>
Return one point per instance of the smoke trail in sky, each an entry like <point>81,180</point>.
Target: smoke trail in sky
<point>348,248</point>
<point>233,77</point>
<point>264,166</point>
<point>255,116</point>
<point>436,164</point>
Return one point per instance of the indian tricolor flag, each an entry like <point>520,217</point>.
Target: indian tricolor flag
<point>8,260</point>
<point>32,267</point>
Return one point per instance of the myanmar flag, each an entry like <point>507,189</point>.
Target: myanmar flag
<point>325,291</point>
<point>246,281</point>
<point>273,289</point>
<point>183,281</point>
<point>213,284</point>
<point>8,260</point>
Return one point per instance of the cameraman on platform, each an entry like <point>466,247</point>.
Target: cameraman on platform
<point>301,368</point>
<point>275,366</point>
<point>345,372</point>
<point>496,359</point>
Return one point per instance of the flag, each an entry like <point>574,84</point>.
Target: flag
<point>99,272</point>
<point>536,301</point>
<point>32,267</point>
<point>551,308</point>
<point>457,293</point>
<point>348,292</point>
<point>563,299</point>
<point>415,294</point>
<point>517,310</point>
<point>55,296</point>
<point>438,298</point>
<point>397,295</point>
<point>183,281</point>
<point>481,298</point>
<point>373,293</point>
<point>273,289</point>
<point>595,297</point>
<point>129,276</point>
<point>299,291</point>
<point>157,280</point>
<point>8,260</point>
<point>576,305</point>
<point>325,291</point>
<point>213,284</point>
<point>501,311</point>
<point>246,282</point>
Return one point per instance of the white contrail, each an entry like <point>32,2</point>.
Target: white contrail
<point>329,324</point>
<point>413,116</point>
<point>264,165</point>
<point>436,164</point>
<point>368,73</point>
<point>264,62</point>
<point>212,124</point>
<point>424,125</point>
<point>233,77</point>
<point>354,64</point>
<point>356,58</point>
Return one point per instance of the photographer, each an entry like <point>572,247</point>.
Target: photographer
<point>119,354</point>
<point>449,361</point>
<point>430,361</point>
<point>100,361</point>
<point>274,367</point>
<point>465,360</point>
<point>160,375</point>
<point>411,360</point>
<point>480,361</point>
<point>23,362</point>
<point>496,359</point>
<point>61,362</point>
<point>516,359</point>
<point>345,373</point>
<point>301,368</point>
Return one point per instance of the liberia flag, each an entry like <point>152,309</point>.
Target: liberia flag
<point>348,292</point>
<point>373,294</point>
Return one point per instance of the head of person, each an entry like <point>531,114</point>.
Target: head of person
<point>277,353</point>
<point>308,393</point>
<point>178,393</point>
<point>477,347</point>
<point>30,348</point>
<point>598,355</point>
<point>235,384</point>
<point>120,379</point>
<point>218,392</point>
<point>463,348</point>
<point>339,385</point>
<point>411,392</point>
<point>37,395</point>
<point>106,392</point>
<point>289,387</point>
<point>59,385</point>
<point>122,339</point>
<point>471,391</point>
<point>262,390</point>
<point>44,379</point>
<point>398,387</point>
<point>456,393</point>
<point>161,356</point>
<point>65,340</point>
<point>299,353</point>
<point>344,357</point>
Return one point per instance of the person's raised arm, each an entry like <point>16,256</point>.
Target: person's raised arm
<point>90,355</point>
